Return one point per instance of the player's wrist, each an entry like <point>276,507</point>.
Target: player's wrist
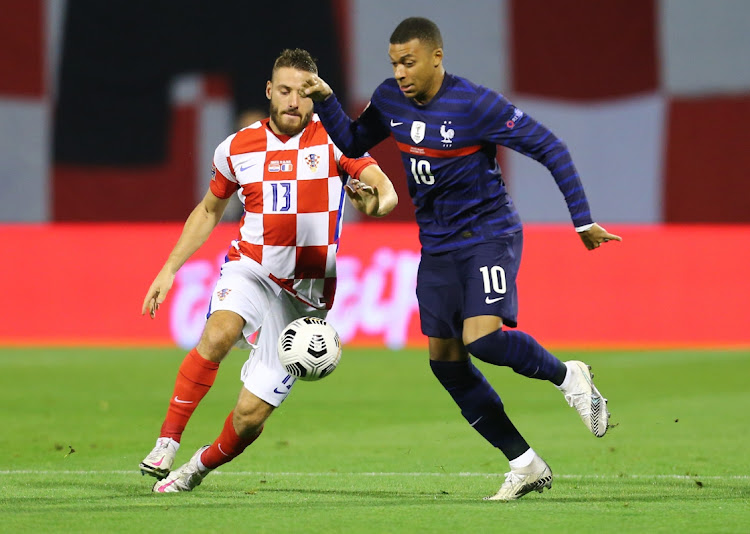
<point>327,101</point>
<point>584,227</point>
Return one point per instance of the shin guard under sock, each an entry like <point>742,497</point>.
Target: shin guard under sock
<point>520,352</point>
<point>480,405</point>
<point>194,379</point>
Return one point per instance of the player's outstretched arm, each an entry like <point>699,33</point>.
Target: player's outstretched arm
<point>198,226</point>
<point>595,235</point>
<point>373,194</point>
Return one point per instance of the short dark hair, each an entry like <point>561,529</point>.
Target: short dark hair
<point>297,59</point>
<point>417,28</point>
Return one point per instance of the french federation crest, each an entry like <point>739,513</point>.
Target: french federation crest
<point>447,133</point>
<point>417,131</point>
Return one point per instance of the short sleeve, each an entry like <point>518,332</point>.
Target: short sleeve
<point>223,181</point>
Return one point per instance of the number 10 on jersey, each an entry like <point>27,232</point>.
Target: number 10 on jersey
<point>420,170</point>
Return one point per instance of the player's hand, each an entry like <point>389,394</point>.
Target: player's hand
<point>364,197</point>
<point>316,88</point>
<point>595,236</point>
<point>157,293</point>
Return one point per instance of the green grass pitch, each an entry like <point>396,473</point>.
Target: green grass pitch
<point>376,447</point>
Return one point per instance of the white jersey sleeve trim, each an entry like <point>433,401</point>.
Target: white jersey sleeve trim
<point>221,156</point>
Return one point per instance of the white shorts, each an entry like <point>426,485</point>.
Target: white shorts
<point>246,290</point>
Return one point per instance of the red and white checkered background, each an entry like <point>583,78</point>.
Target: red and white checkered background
<point>652,97</point>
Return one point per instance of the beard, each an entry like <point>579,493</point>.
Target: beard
<point>280,121</point>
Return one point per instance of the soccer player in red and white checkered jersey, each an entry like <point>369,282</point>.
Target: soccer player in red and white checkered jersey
<point>291,179</point>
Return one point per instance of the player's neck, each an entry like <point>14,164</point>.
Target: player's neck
<point>275,129</point>
<point>434,88</point>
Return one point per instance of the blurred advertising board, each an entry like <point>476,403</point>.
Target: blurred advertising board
<point>663,286</point>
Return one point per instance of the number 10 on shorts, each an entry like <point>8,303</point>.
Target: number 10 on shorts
<point>494,279</point>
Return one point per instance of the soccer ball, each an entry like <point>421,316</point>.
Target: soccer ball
<point>309,348</point>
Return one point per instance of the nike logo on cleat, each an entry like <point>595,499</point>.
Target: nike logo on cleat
<point>161,489</point>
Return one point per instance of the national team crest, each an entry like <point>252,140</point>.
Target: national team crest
<point>312,161</point>
<point>417,131</point>
<point>223,293</point>
<point>447,133</point>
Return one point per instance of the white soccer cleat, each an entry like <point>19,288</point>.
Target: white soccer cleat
<point>581,394</point>
<point>185,477</point>
<point>534,477</point>
<point>159,461</point>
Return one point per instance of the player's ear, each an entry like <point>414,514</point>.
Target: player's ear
<point>437,57</point>
<point>268,89</point>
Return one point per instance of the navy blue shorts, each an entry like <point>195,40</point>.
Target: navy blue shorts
<point>475,280</point>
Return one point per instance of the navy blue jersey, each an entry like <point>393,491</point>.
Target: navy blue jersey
<point>448,148</point>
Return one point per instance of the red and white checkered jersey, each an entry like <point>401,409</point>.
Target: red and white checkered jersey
<point>292,190</point>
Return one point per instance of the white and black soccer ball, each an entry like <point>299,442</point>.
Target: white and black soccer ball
<point>309,348</point>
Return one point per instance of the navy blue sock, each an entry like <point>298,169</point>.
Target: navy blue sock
<point>520,352</point>
<point>480,405</point>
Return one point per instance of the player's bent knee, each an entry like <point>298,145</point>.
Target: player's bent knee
<point>214,348</point>
<point>446,350</point>
<point>221,332</point>
<point>480,326</point>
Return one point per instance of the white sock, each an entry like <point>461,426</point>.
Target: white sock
<point>169,442</point>
<point>202,468</point>
<point>566,380</point>
<point>524,460</point>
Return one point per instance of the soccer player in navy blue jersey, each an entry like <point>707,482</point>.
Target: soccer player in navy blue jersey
<point>447,129</point>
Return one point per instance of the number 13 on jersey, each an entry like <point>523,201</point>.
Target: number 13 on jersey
<point>282,195</point>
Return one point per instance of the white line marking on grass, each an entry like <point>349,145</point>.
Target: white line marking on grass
<point>336,474</point>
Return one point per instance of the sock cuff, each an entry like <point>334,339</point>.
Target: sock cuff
<point>451,368</point>
<point>489,344</point>
<point>227,446</point>
<point>196,358</point>
<point>449,365</point>
<point>198,370</point>
<point>523,460</point>
<point>229,427</point>
<point>456,374</point>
